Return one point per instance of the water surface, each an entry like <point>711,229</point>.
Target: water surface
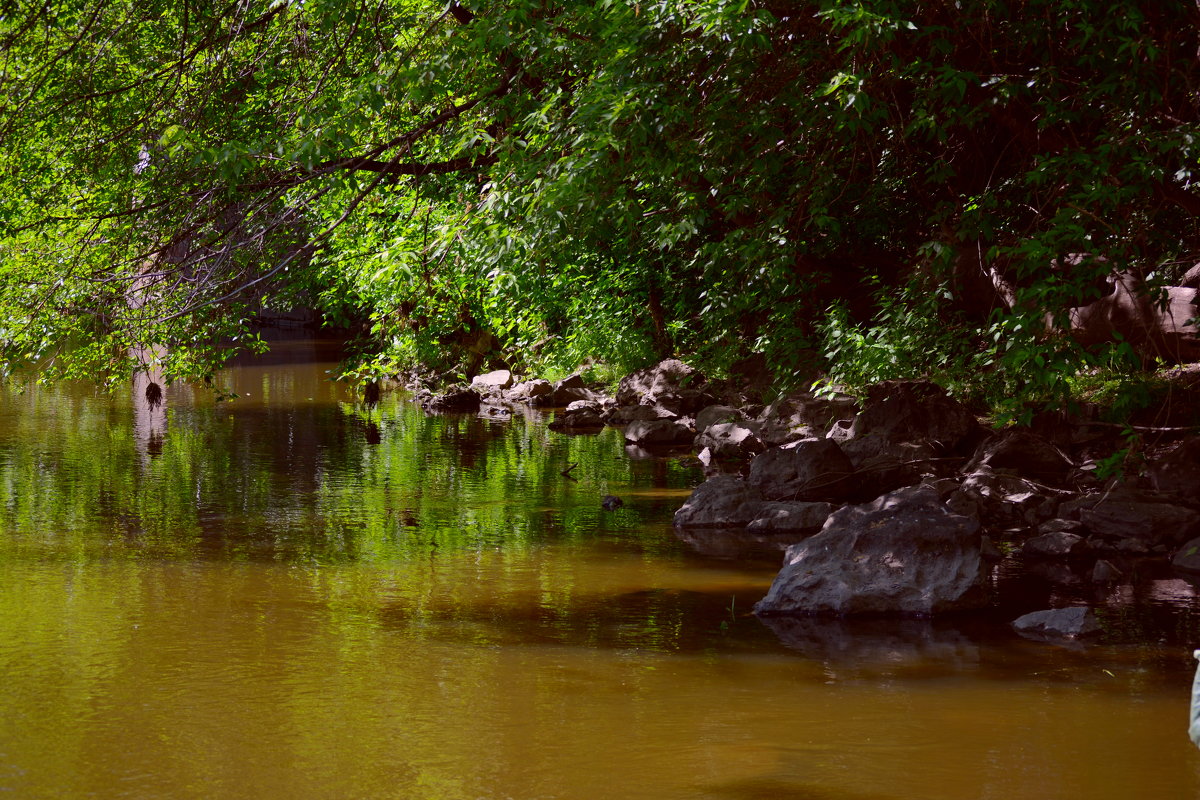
<point>291,595</point>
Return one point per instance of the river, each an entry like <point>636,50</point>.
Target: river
<point>289,595</point>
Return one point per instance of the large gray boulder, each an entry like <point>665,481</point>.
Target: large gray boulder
<point>724,501</point>
<point>904,553</point>
<point>1003,500</point>
<point>1178,472</point>
<point>801,416</point>
<point>711,415</point>
<point>644,385</point>
<point>807,470</point>
<point>496,379</point>
<point>530,390</point>
<point>658,432</point>
<point>916,411</point>
<point>728,440</point>
<point>1121,516</point>
<point>1025,453</point>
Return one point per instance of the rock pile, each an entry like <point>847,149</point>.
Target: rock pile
<point>902,498</point>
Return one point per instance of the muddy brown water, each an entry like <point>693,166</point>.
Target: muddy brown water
<point>290,595</point>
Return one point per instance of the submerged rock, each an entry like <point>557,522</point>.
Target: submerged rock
<point>1059,623</point>
<point>877,645</point>
<point>904,553</point>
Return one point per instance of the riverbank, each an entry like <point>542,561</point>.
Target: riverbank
<point>1074,496</point>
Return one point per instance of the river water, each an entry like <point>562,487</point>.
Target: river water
<point>290,595</point>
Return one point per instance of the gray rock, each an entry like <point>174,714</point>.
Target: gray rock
<point>810,469</point>
<point>660,432</point>
<point>729,440</point>
<point>571,382</point>
<point>581,414</point>
<point>1055,525</point>
<point>1123,517</point>
<point>1178,472</point>
<point>800,517</point>
<point>1057,544</point>
<point>882,466</point>
<point>1132,547</point>
<point>840,432</point>
<point>684,401</point>
<point>456,399</point>
<point>904,553</point>
<point>530,389</point>
<point>944,486</point>
<point>627,414</point>
<point>1191,278</point>
<point>912,411</point>
<point>644,385</point>
<point>1104,573</point>
<point>872,448</point>
<point>497,379</point>
<point>1059,623</point>
<point>712,415</point>
<point>562,395</point>
<point>1005,500</point>
<point>990,551</point>
<point>962,503</point>
<point>801,416</point>
<point>719,502</point>
<point>1188,557</point>
<point>1024,453</point>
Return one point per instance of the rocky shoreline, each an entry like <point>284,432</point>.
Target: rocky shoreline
<point>895,506</point>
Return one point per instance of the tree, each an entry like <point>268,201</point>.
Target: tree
<point>609,179</point>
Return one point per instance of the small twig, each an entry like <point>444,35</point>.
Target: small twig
<point>566,473</point>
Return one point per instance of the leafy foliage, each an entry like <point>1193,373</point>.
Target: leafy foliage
<point>546,183</point>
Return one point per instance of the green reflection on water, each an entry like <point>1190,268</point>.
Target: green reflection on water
<point>318,479</point>
<point>291,595</point>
